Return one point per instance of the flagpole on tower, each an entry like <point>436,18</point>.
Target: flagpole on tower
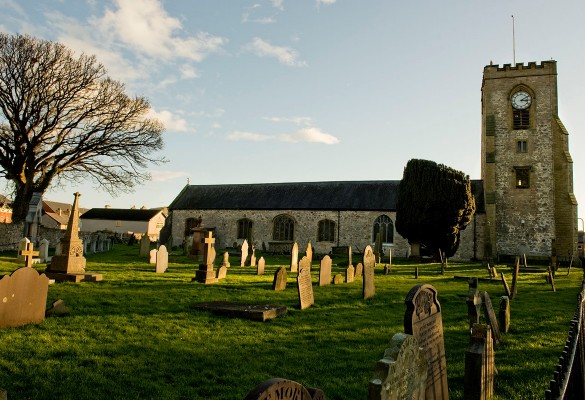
<point>513,44</point>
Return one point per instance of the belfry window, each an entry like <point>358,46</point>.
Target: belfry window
<point>521,146</point>
<point>522,177</point>
<point>521,119</point>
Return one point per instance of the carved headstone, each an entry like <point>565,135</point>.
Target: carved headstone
<point>309,253</point>
<point>294,258</point>
<point>402,373</point>
<point>244,253</point>
<point>28,254</point>
<point>305,287</point>
<point>423,320</point>
<point>221,272</point>
<point>226,260</point>
<point>144,246</point>
<point>325,271</point>
<point>260,267</point>
<point>504,314</point>
<point>162,259</point>
<point>369,288</point>
<point>490,316</point>
<point>152,257</point>
<point>253,256</point>
<point>338,279</point>
<point>359,270</point>
<point>279,282</point>
<point>479,365</point>
<point>349,274</point>
<point>23,298</point>
<point>205,273</point>
<point>279,389</point>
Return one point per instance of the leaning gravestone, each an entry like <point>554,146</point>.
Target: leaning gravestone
<point>505,283</point>
<point>325,271</point>
<point>423,320</point>
<point>244,253</point>
<point>402,373</point>
<point>349,274</point>
<point>359,269</point>
<point>504,314</point>
<point>490,316</point>
<point>294,258</point>
<point>144,246</point>
<point>24,298</point>
<point>369,289</point>
<point>152,258</point>
<point>305,287</point>
<point>279,389</point>
<point>514,290</point>
<point>162,259</point>
<point>260,266</point>
<point>473,301</point>
<point>279,282</point>
<point>479,365</point>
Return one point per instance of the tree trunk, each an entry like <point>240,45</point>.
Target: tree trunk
<point>21,201</point>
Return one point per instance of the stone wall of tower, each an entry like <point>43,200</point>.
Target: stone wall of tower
<point>523,220</point>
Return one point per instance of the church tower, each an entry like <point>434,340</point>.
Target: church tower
<point>526,166</point>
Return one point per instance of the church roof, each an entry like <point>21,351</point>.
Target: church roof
<point>338,195</point>
<point>122,214</point>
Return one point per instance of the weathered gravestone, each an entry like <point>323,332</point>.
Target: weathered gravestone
<point>44,251</point>
<point>349,274</point>
<point>205,273</point>
<point>254,312</point>
<point>221,272</point>
<point>479,365</point>
<point>162,259</point>
<point>386,269</point>
<point>402,373</point>
<point>279,281</point>
<point>23,298</point>
<point>144,246</point>
<point>22,245</point>
<point>349,256</point>
<point>244,253</point>
<point>260,267</point>
<point>551,279</point>
<point>325,271</point>
<point>504,314</point>
<point>226,260</point>
<point>28,255</point>
<point>473,301</point>
<point>309,253</point>
<point>505,283</point>
<point>423,320</point>
<point>152,256</point>
<point>368,287</point>
<point>294,258</point>
<point>338,279</point>
<point>490,316</point>
<point>279,389</point>
<point>514,290</point>
<point>305,287</point>
<point>359,270</point>
<point>253,256</point>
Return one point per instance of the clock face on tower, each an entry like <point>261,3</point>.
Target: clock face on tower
<point>521,100</point>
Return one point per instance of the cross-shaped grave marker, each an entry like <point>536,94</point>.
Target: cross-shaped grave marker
<point>209,241</point>
<point>28,254</point>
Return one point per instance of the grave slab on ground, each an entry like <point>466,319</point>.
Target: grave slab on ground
<point>254,312</point>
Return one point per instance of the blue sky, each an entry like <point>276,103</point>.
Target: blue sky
<point>311,90</point>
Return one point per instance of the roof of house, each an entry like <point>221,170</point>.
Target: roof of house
<point>122,214</point>
<point>338,195</point>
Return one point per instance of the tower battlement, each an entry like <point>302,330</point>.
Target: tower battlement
<point>532,68</point>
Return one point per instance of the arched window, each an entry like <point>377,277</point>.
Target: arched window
<point>245,229</point>
<point>284,228</point>
<point>326,231</point>
<point>384,225</point>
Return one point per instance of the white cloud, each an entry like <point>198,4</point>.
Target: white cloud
<point>278,4</point>
<point>160,176</point>
<point>248,136</point>
<point>311,135</point>
<point>188,72</point>
<point>325,2</point>
<point>170,121</point>
<point>294,120</point>
<point>284,55</point>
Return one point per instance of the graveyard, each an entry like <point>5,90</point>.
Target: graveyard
<point>138,334</point>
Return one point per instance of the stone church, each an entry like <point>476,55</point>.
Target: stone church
<point>525,201</point>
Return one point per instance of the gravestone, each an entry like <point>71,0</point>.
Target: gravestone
<point>309,253</point>
<point>423,320</point>
<point>144,246</point>
<point>304,263</point>
<point>226,260</point>
<point>28,255</point>
<point>386,269</point>
<point>551,279</point>
<point>402,373</point>
<point>490,316</point>
<point>349,274</point>
<point>22,245</point>
<point>390,258</point>
<point>378,248</point>
<point>253,256</point>
<point>260,267</point>
<point>279,389</point>
<point>325,271</point>
<point>479,365</point>
<point>254,312</point>
<point>305,287</point>
<point>279,281</point>
<point>294,258</point>
<point>205,274</point>
<point>23,296</point>
<point>244,253</point>
<point>152,257</point>
<point>473,301</point>
<point>349,256</point>
<point>514,290</point>
<point>162,259</point>
<point>504,314</point>
<point>359,269</point>
<point>505,283</point>
<point>44,251</point>
<point>368,287</point>
<point>33,218</point>
<point>70,264</point>
<point>338,279</point>
<point>221,272</point>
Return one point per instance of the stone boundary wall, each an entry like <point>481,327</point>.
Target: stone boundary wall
<point>10,235</point>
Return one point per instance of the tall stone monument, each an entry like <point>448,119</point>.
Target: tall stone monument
<point>70,264</point>
<point>205,273</point>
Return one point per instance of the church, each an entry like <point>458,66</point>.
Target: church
<point>524,200</point>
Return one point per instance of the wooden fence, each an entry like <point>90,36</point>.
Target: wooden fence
<point>569,378</point>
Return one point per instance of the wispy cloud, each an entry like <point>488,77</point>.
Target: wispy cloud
<point>170,121</point>
<point>309,135</point>
<point>325,2</point>
<point>160,176</point>
<point>295,120</point>
<point>284,55</point>
<point>259,14</point>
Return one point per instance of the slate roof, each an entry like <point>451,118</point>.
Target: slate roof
<point>339,195</point>
<point>121,214</point>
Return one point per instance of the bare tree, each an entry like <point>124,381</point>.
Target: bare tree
<point>62,118</point>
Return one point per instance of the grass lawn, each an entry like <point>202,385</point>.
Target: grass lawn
<point>135,335</point>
